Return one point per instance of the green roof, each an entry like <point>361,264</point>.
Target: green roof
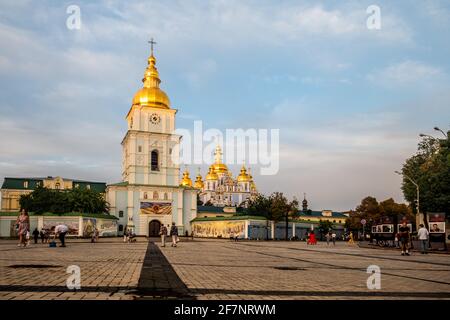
<point>68,214</point>
<point>18,183</point>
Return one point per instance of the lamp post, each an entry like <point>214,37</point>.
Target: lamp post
<point>437,129</point>
<point>421,219</point>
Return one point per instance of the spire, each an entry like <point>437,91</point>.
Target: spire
<point>304,203</point>
<point>218,154</point>
<point>151,95</point>
<point>151,75</point>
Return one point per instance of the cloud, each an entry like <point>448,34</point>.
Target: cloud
<point>407,73</point>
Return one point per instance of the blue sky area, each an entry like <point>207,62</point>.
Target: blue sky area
<point>349,102</point>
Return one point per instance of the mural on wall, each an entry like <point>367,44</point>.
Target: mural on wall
<point>223,229</point>
<point>105,227</point>
<point>88,226</point>
<point>73,225</point>
<point>156,208</point>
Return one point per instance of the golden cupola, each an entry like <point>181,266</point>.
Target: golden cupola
<point>243,176</point>
<point>198,184</point>
<point>218,166</point>
<point>151,95</point>
<point>186,180</point>
<point>212,175</point>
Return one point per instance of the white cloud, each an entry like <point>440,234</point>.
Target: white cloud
<point>407,73</point>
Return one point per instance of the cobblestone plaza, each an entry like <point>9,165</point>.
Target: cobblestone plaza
<point>218,269</point>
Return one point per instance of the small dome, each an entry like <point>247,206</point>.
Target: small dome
<point>220,168</point>
<point>198,184</point>
<point>243,176</point>
<point>186,181</point>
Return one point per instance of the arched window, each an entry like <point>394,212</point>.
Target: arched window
<point>155,195</point>
<point>145,195</point>
<point>120,228</point>
<point>165,196</point>
<point>154,160</point>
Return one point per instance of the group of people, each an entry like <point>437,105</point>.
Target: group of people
<point>23,230</point>
<point>171,231</point>
<point>331,237</point>
<point>129,236</point>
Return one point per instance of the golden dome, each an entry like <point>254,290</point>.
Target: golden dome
<point>151,95</point>
<point>212,175</point>
<point>198,184</point>
<point>186,181</point>
<point>218,166</point>
<point>243,176</point>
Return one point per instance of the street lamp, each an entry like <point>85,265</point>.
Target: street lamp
<point>437,129</point>
<point>417,189</point>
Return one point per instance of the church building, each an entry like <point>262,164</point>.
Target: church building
<point>219,188</point>
<point>150,193</point>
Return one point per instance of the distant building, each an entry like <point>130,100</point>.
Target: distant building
<point>13,188</point>
<point>219,188</point>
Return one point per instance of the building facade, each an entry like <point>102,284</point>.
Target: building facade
<point>150,193</point>
<point>219,188</point>
<point>13,188</point>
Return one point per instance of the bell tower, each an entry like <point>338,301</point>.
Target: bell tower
<point>148,144</point>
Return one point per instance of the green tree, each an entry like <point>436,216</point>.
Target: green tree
<point>276,207</point>
<point>325,226</point>
<point>370,210</point>
<point>63,201</point>
<point>430,169</point>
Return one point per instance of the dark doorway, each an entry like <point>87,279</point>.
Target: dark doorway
<point>153,228</point>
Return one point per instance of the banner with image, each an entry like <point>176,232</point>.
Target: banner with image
<point>436,222</point>
<point>159,208</point>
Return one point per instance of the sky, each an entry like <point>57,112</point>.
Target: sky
<point>349,101</point>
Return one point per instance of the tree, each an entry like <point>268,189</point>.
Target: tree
<point>325,226</point>
<point>371,211</point>
<point>43,200</point>
<point>275,208</point>
<point>430,169</point>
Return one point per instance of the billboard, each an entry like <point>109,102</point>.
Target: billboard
<point>436,222</point>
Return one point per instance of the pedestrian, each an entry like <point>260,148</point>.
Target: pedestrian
<point>423,235</point>
<point>61,231</point>
<point>396,240</point>
<point>163,234</point>
<point>404,236</point>
<point>174,234</point>
<point>328,237</point>
<point>23,225</point>
<point>42,235</point>
<point>350,238</point>
<point>125,236</point>
<point>35,235</point>
<point>333,238</point>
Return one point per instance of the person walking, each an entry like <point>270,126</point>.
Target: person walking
<point>328,238</point>
<point>23,223</point>
<point>404,236</point>
<point>42,235</point>
<point>163,234</point>
<point>423,235</point>
<point>174,234</point>
<point>333,238</point>
<point>36,235</point>
<point>350,238</point>
<point>396,241</point>
<point>61,231</point>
